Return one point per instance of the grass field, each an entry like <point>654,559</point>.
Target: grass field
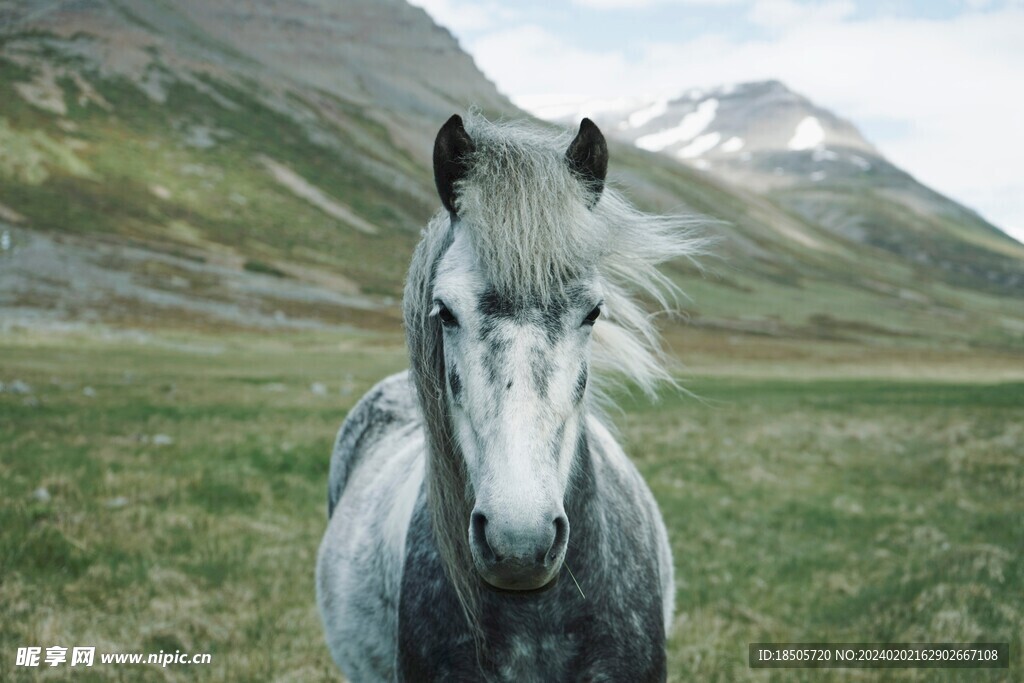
<point>167,492</point>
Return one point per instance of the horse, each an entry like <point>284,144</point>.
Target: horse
<point>483,522</point>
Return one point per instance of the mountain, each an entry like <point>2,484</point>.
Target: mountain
<point>764,137</point>
<point>726,127</point>
<point>227,163</point>
<point>285,141</point>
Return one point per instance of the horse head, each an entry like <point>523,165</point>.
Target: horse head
<point>516,346</point>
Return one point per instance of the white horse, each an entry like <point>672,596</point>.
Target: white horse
<point>484,523</point>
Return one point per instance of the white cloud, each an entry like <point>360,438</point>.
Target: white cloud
<point>778,13</point>
<point>530,61</point>
<point>463,16</point>
<point>638,4</point>
<point>951,86</point>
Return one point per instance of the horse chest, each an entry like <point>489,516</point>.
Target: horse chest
<point>526,650</point>
<point>555,635</point>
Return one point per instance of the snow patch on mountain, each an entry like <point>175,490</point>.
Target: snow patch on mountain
<point>824,154</point>
<point>860,162</point>
<point>701,144</point>
<point>639,118</point>
<point>733,144</point>
<point>691,125</point>
<point>808,134</point>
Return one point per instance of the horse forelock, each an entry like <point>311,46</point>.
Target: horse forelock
<point>524,210</point>
<point>535,228</point>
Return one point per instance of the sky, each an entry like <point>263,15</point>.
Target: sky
<point>936,85</point>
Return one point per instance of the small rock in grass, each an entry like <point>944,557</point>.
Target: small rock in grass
<point>41,494</point>
<point>17,387</point>
<point>160,191</point>
<point>347,385</point>
<point>118,502</point>
<point>318,388</point>
<point>162,440</point>
<point>89,392</point>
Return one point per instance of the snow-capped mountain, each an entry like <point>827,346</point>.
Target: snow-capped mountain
<point>765,138</point>
<point>762,133</point>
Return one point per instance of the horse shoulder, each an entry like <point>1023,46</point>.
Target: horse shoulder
<point>390,403</point>
<point>375,480</point>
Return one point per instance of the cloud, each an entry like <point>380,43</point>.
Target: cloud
<point>639,4</point>
<point>529,61</point>
<point>780,13</point>
<point>950,86</point>
<point>463,16</point>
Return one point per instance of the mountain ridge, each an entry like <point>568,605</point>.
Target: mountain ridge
<point>195,129</point>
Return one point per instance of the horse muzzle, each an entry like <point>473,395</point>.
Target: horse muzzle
<point>518,557</point>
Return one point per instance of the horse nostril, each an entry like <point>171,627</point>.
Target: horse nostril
<point>561,538</point>
<point>479,530</point>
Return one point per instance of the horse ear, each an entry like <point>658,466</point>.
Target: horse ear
<point>587,156</point>
<point>452,148</point>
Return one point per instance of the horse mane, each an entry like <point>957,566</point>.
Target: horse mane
<point>534,228</point>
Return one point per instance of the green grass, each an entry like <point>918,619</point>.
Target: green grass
<point>213,549</point>
<point>835,509</point>
<point>838,510</point>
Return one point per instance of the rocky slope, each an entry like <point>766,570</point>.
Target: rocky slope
<point>289,138</point>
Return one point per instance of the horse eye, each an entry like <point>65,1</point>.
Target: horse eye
<point>592,316</point>
<point>448,318</point>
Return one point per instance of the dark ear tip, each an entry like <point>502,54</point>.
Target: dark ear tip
<point>450,149</point>
<point>590,129</point>
<point>588,157</point>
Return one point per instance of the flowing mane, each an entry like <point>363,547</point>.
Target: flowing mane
<point>534,227</point>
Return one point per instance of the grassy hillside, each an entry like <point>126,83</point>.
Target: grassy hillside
<point>775,272</point>
<point>195,174</point>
